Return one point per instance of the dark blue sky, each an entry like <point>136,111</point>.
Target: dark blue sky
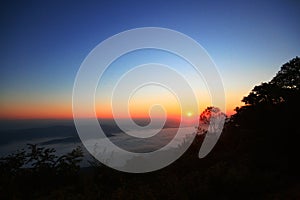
<point>44,42</point>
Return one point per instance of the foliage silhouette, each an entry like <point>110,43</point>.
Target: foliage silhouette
<point>206,117</point>
<point>37,169</point>
<point>283,87</point>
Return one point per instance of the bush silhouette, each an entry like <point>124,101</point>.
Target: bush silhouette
<point>37,169</point>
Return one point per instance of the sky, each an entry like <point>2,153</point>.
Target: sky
<point>43,44</point>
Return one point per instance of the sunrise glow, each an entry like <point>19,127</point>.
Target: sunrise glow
<point>40,63</point>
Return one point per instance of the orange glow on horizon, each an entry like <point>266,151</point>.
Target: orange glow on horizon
<point>65,112</point>
<point>36,111</point>
<point>58,110</point>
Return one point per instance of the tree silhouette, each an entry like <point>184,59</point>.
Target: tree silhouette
<point>289,75</point>
<point>208,120</point>
<point>267,126</point>
<point>284,86</point>
<point>40,158</point>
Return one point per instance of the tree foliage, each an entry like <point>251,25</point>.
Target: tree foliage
<point>289,75</point>
<point>210,114</point>
<point>37,169</point>
<point>40,158</point>
<point>284,86</point>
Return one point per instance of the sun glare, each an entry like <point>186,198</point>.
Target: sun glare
<point>189,114</point>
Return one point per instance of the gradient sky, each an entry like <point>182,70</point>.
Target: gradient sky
<point>43,44</point>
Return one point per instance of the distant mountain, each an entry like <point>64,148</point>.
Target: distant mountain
<point>10,136</point>
<point>57,131</point>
